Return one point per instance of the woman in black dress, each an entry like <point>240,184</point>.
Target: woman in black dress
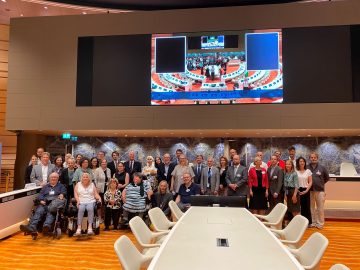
<point>259,188</point>
<point>223,170</point>
<point>29,168</point>
<point>122,177</point>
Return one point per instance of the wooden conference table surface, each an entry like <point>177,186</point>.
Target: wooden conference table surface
<point>192,243</point>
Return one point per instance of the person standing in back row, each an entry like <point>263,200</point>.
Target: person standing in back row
<point>132,166</point>
<point>237,178</point>
<point>317,194</point>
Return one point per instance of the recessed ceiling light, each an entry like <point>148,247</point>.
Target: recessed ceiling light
<point>171,133</point>
<point>126,135</point>
<point>46,7</point>
<point>3,1</point>
<point>21,15</point>
<point>84,12</point>
<point>309,135</point>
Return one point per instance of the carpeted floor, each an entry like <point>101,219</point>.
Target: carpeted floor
<point>21,252</point>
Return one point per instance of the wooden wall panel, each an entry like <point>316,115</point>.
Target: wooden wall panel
<point>8,139</point>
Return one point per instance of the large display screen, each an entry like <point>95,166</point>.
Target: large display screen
<point>247,70</point>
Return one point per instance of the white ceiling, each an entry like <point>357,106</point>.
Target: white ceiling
<point>34,8</point>
<point>213,133</point>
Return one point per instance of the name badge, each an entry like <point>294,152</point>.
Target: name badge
<point>52,192</point>
<point>187,190</point>
<point>318,173</point>
<point>275,177</point>
<point>238,175</point>
<point>263,172</point>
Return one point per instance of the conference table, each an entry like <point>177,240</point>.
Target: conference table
<point>245,243</point>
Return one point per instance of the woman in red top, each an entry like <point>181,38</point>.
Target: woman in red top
<point>259,187</point>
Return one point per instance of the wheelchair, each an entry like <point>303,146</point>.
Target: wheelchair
<point>72,219</point>
<point>57,228</point>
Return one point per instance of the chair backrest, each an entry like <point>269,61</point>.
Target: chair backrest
<point>277,214</point>
<point>347,169</point>
<point>311,252</point>
<point>175,210</point>
<point>158,219</point>
<point>339,267</point>
<point>232,201</point>
<point>130,258</point>
<point>140,230</point>
<point>202,200</point>
<point>295,230</point>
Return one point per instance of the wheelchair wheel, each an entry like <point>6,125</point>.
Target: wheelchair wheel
<point>70,233</point>
<point>97,231</point>
<point>34,236</point>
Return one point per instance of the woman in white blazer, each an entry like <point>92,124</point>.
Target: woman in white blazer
<point>102,176</point>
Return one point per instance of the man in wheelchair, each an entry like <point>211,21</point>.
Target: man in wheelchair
<point>51,196</point>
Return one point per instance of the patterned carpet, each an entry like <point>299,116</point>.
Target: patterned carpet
<point>21,252</point>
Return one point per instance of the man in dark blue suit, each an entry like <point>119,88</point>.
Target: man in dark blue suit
<point>197,168</point>
<point>165,169</point>
<point>132,166</point>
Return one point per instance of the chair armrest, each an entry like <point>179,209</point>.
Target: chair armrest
<point>163,231</point>
<point>172,224</point>
<point>157,234</point>
<point>261,217</point>
<point>294,252</point>
<point>150,245</point>
<point>269,223</point>
<point>278,233</point>
<point>288,241</point>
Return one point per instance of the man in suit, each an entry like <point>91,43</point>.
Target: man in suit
<point>276,180</point>
<point>165,169</point>
<point>112,165</point>
<point>178,153</point>
<point>236,178</point>
<point>197,168</point>
<point>40,173</point>
<point>210,178</point>
<point>66,177</point>
<point>132,166</point>
<point>232,153</point>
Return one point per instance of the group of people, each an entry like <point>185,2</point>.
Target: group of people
<point>126,188</point>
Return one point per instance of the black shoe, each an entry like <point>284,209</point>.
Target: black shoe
<point>46,230</point>
<point>26,229</point>
<point>106,229</point>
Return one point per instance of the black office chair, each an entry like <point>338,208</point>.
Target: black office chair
<point>202,200</point>
<point>233,201</point>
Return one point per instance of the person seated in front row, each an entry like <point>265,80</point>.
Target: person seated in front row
<point>112,200</point>
<point>134,197</point>
<point>187,189</point>
<point>162,198</point>
<point>53,190</point>
<point>86,195</point>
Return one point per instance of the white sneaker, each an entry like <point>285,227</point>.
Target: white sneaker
<point>312,225</point>
<point>320,227</point>
<point>90,232</point>
<point>78,232</point>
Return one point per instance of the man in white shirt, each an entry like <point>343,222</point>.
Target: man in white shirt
<point>40,173</point>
